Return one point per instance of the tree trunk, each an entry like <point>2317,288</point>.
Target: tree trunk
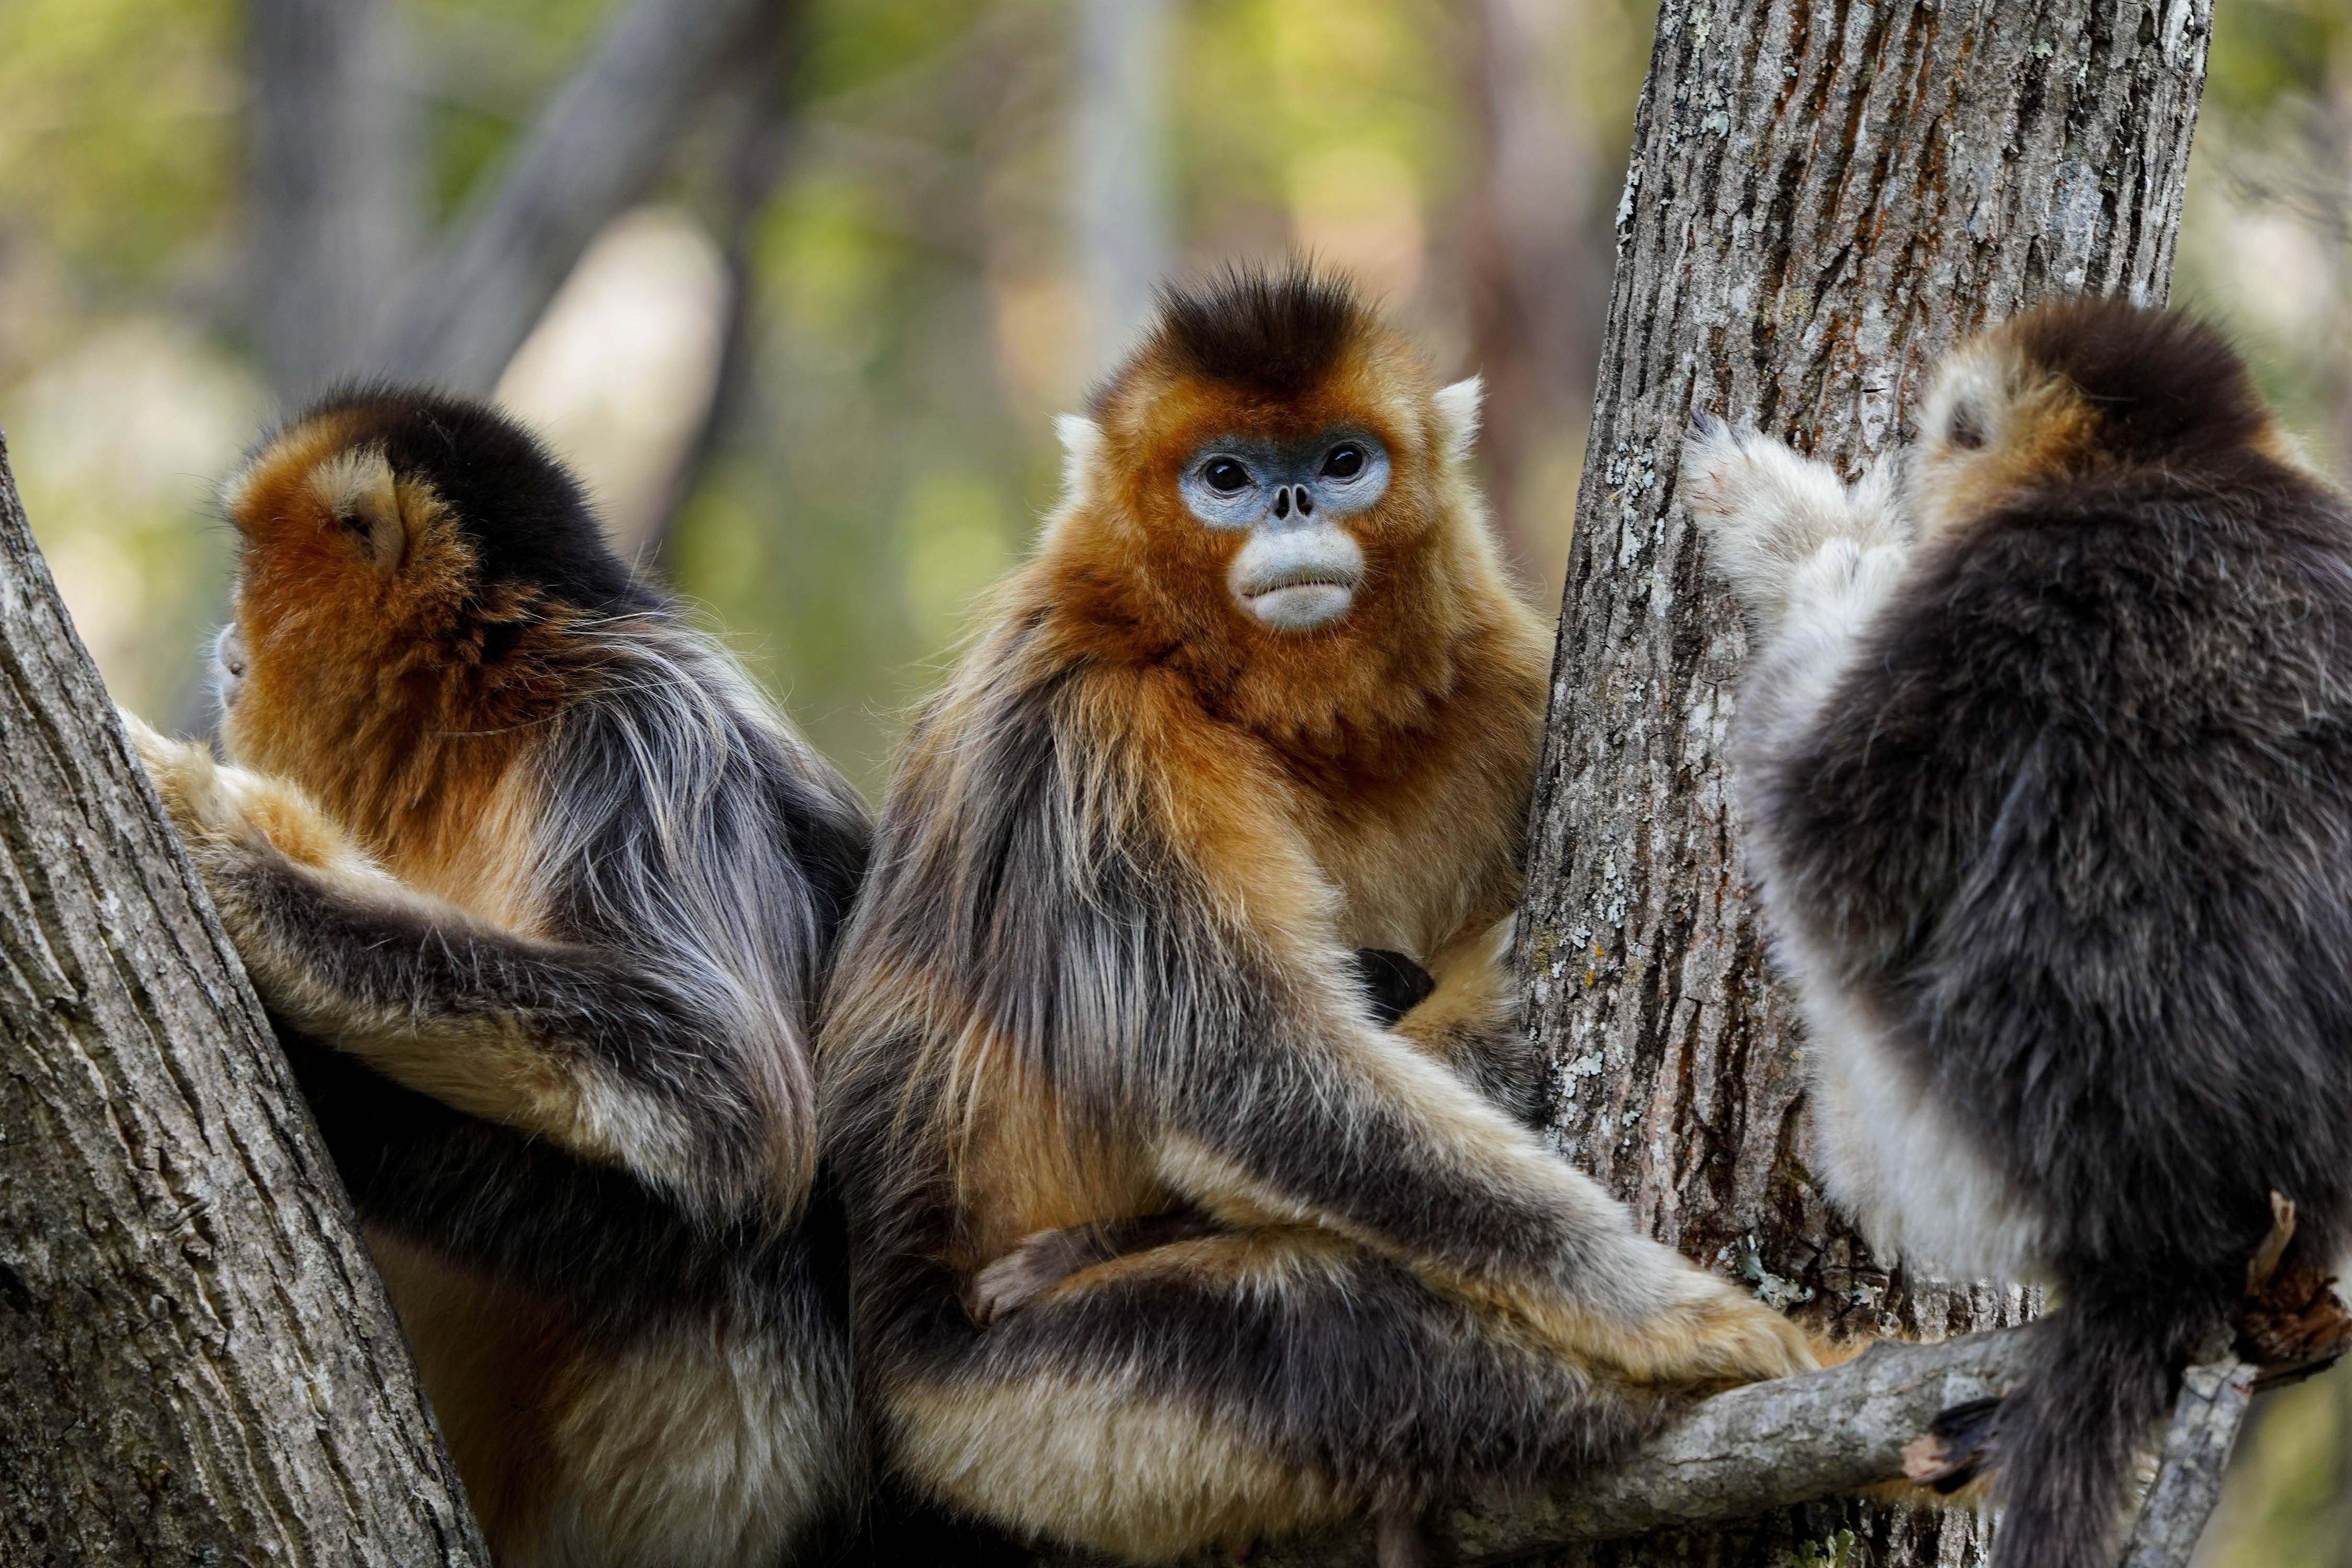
<point>338,204</point>
<point>1118,186</point>
<point>1538,272</point>
<point>198,1361</point>
<point>1821,199</point>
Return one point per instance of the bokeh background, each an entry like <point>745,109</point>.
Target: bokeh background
<point>810,361</point>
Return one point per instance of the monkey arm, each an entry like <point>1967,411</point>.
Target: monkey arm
<point>1363,1136</point>
<point>1284,1103</point>
<point>1044,1260</point>
<point>583,1048</point>
<point>1102,894</point>
<point>1811,558</point>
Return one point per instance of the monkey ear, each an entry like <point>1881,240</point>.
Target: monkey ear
<point>359,489</point>
<point>1457,417</point>
<point>1081,445</point>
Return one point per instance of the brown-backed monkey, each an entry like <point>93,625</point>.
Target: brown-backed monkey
<point>1263,697</point>
<point>540,890</point>
<point>2047,757</point>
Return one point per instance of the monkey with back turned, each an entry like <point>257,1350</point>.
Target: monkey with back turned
<point>1263,697</point>
<point>2046,758</point>
<point>541,892</point>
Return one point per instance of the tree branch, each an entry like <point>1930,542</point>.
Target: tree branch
<point>748,174</point>
<point>2215,1395</point>
<point>1733,1457</point>
<point>200,1364</point>
<point>593,150</point>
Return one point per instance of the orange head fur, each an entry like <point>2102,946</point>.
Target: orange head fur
<point>414,572</point>
<point>2078,388</point>
<point>1278,374</point>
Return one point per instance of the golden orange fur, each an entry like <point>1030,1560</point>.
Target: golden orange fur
<point>1100,976</point>
<point>539,891</point>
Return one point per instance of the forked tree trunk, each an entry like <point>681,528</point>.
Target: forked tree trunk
<point>198,1361</point>
<point>1822,197</point>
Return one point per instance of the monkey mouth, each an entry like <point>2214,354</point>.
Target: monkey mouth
<point>1301,598</point>
<point>1297,579</point>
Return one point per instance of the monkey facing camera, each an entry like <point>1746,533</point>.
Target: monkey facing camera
<point>2045,748</point>
<point>1263,700</point>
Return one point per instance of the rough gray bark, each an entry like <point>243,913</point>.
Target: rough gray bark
<point>199,1363</point>
<point>1821,198</point>
<point>336,194</point>
<point>2215,1395</point>
<point>594,149</point>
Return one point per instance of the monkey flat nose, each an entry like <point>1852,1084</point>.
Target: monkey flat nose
<point>1282,502</point>
<point>1305,504</point>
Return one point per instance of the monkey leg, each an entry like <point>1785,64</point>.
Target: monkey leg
<point>1230,1386</point>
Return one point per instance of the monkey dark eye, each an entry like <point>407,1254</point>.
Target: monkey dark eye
<point>1224,475</point>
<point>1344,463</point>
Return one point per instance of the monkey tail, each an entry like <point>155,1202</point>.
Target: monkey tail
<point>2102,1371</point>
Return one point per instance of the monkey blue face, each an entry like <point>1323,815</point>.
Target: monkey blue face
<point>1299,570</point>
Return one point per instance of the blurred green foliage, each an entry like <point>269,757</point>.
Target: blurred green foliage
<point>117,131</point>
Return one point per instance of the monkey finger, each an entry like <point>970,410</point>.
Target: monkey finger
<point>1004,1286</point>
<point>144,738</point>
<point>185,778</point>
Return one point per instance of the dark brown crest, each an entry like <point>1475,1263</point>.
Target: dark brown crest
<point>2161,383</point>
<point>1275,334</point>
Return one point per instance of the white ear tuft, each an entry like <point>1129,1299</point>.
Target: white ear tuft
<point>1458,415</point>
<point>358,485</point>
<point>1081,444</point>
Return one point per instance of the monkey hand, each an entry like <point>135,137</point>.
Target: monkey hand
<point>195,790</point>
<point>1035,1265</point>
<point>1716,1332</point>
<point>226,814</point>
<point>1766,512</point>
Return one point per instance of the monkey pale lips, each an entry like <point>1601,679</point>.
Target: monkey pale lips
<point>1302,605</point>
<point>1298,580</point>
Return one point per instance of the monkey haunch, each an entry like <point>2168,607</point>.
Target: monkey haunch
<point>2047,757</point>
<point>1263,698</point>
<point>540,891</point>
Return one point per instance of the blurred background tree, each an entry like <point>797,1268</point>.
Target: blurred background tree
<point>798,284</point>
